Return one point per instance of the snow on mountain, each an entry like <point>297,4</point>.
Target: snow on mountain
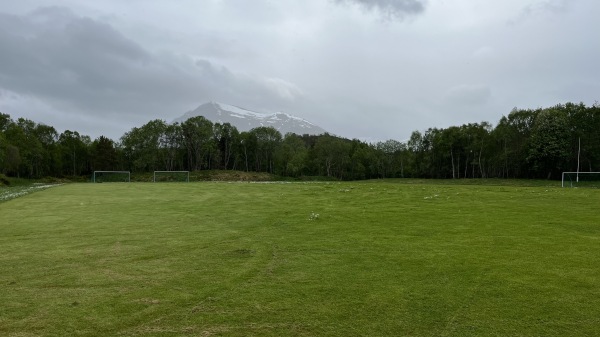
<point>245,120</point>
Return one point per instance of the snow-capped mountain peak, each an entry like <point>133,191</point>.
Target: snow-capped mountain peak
<point>245,120</point>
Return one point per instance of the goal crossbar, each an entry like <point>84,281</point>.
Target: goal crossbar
<point>187,174</point>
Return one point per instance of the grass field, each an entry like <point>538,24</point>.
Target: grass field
<point>385,258</point>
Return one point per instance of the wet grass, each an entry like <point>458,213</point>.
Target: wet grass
<point>382,258</point>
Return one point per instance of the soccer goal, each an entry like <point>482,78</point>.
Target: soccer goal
<point>171,176</point>
<point>581,179</point>
<point>111,177</point>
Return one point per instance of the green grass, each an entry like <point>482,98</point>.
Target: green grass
<point>378,258</point>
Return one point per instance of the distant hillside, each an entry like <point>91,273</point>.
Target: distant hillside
<point>245,120</point>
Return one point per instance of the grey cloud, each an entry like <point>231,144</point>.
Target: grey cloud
<point>133,61</point>
<point>245,89</point>
<point>554,6</point>
<point>541,8</point>
<point>54,15</point>
<point>468,95</point>
<point>76,63</point>
<point>97,39</point>
<point>391,8</point>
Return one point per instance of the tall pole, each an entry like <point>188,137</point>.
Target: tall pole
<point>578,153</point>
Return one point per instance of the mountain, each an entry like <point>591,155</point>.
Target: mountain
<point>244,119</point>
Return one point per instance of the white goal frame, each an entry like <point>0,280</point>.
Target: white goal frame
<point>577,174</point>
<point>187,178</point>
<point>122,172</point>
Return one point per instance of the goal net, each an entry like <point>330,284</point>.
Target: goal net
<point>111,177</point>
<point>581,179</point>
<point>171,176</point>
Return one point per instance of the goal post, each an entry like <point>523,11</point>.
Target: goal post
<point>111,177</point>
<point>581,179</point>
<point>171,176</point>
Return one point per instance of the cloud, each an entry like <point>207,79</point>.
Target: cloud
<point>329,61</point>
<point>396,9</point>
<point>468,94</point>
<point>75,63</point>
<point>540,8</point>
<point>245,88</point>
<point>552,6</point>
<point>284,89</point>
<point>483,53</point>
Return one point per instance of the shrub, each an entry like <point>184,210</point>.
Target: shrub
<point>4,180</point>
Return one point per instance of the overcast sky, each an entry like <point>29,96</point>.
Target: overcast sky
<point>367,69</point>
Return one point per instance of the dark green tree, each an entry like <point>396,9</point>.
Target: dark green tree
<point>173,148</point>
<point>75,151</point>
<point>199,142</point>
<point>585,138</point>
<point>364,161</point>
<point>268,140</point>
<point>291,156</point>
<point>550,143</point>
<point>226,139</point>
<point>105,155</point>
<point>390,162</point>
<point>142,146</point>
<point>332,155</point>
<point>248,147</point>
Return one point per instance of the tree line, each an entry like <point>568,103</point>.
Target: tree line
<point>528,143</point>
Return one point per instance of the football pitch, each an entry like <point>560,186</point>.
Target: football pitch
<point>376,258</point>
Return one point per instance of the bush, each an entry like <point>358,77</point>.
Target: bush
<point>4,180</point>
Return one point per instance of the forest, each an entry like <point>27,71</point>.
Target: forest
<point>528,143</point>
